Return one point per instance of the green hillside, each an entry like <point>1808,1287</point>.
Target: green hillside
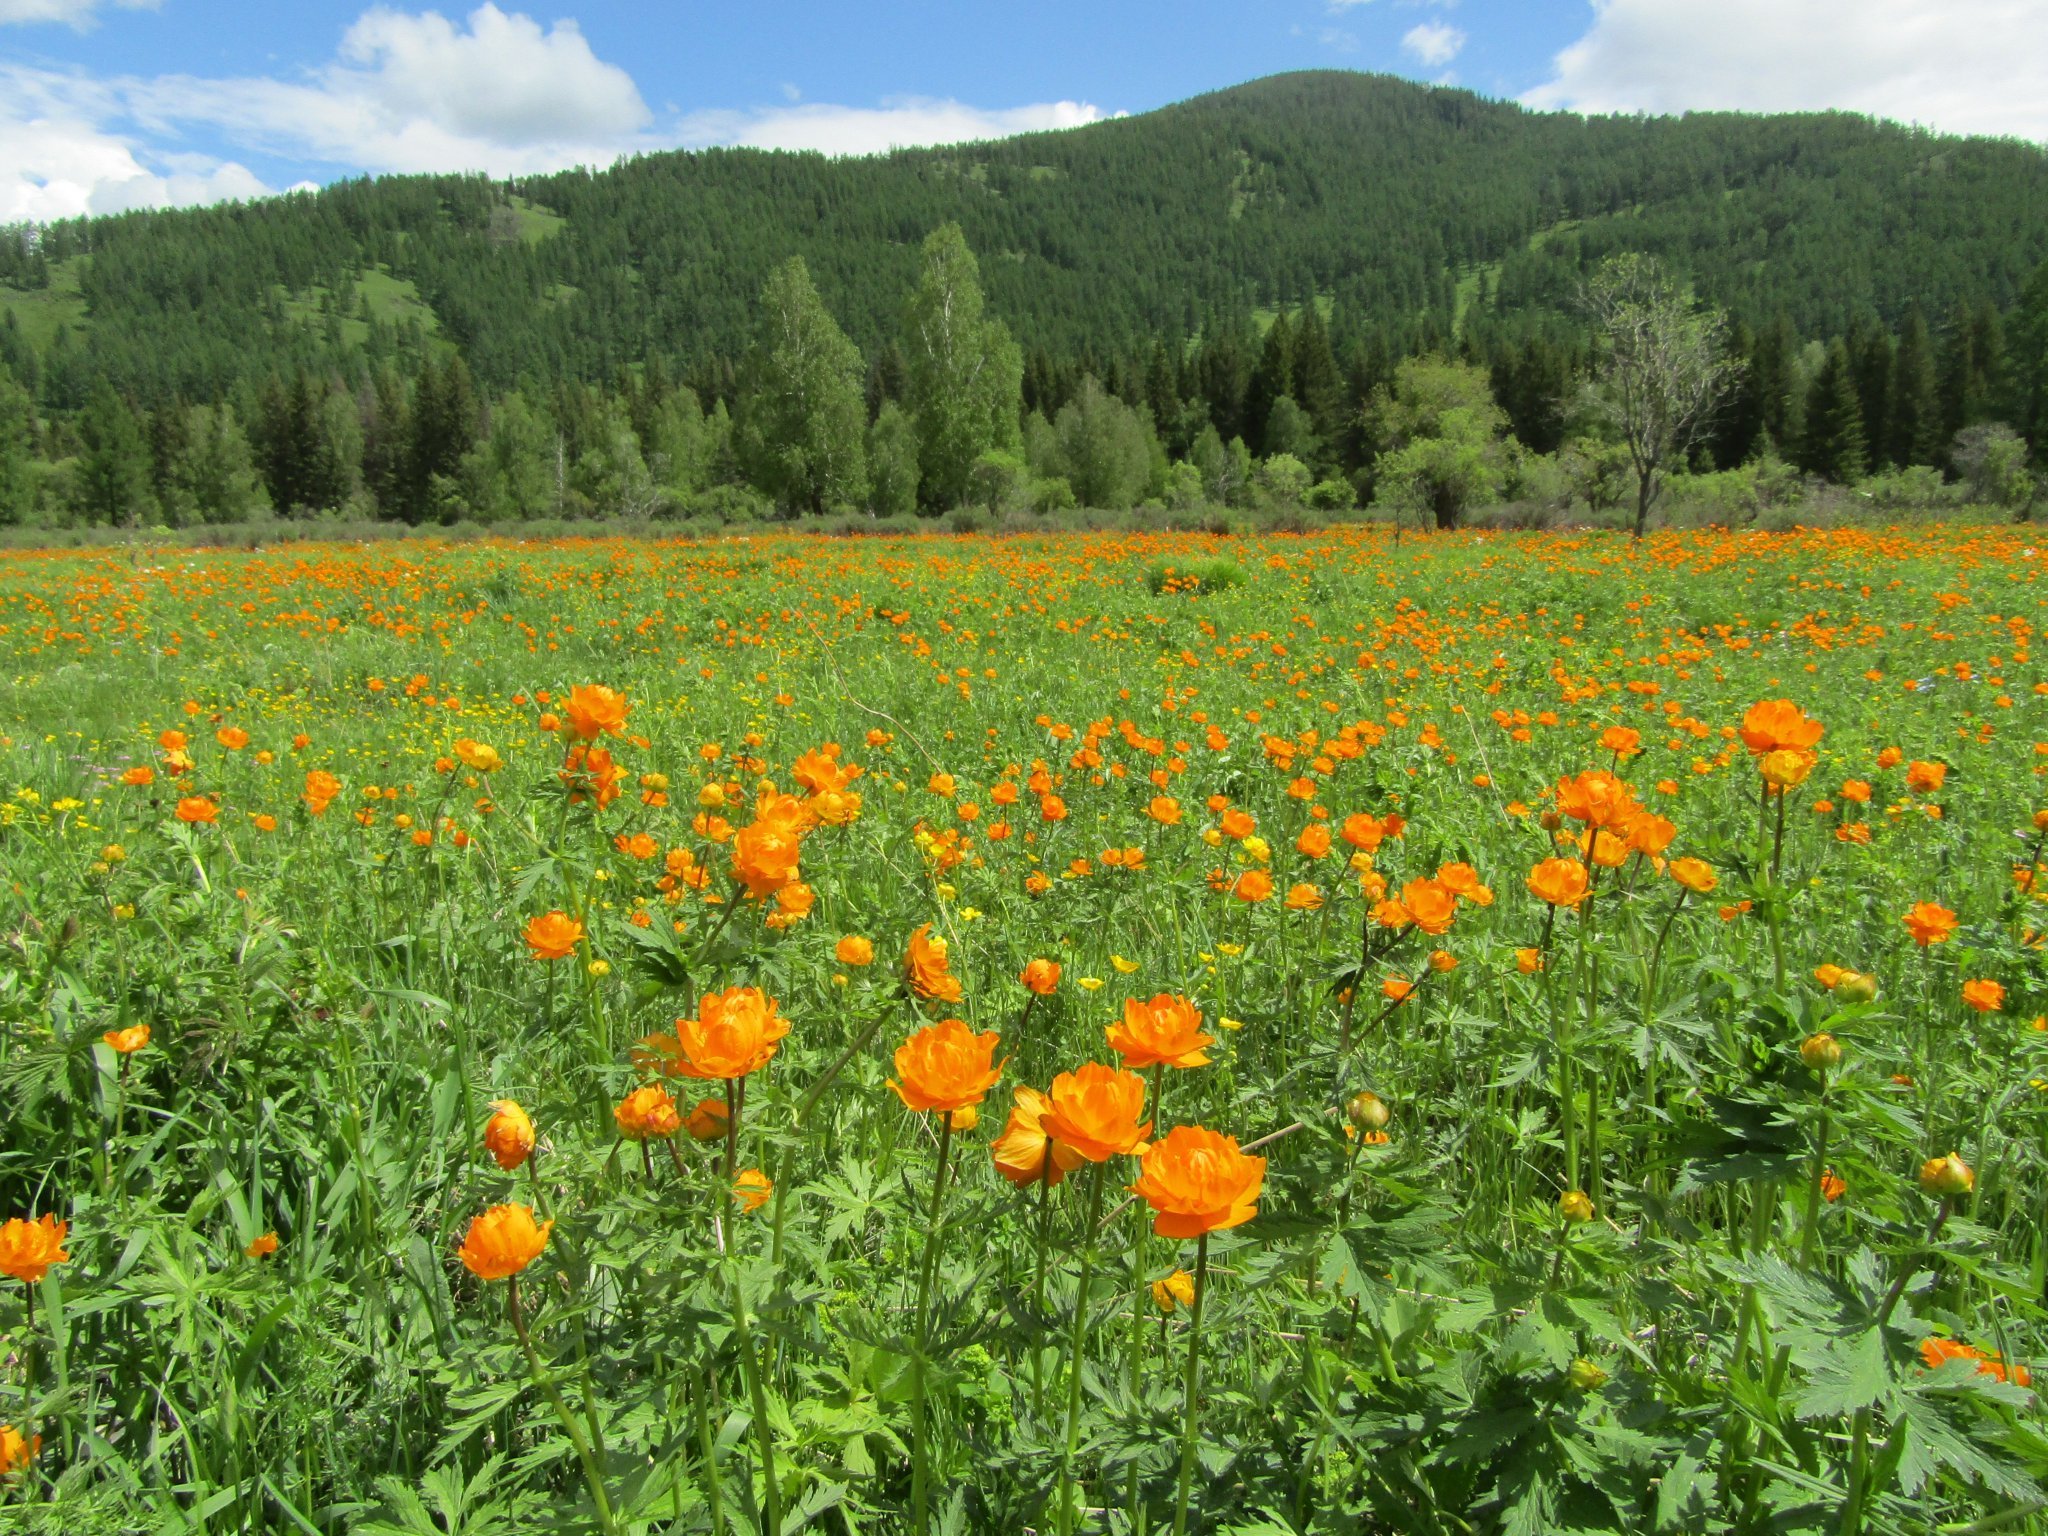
<point>1401,206</point>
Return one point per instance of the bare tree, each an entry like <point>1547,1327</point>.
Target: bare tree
<point>1663,368</point>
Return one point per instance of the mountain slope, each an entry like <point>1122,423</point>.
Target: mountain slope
<point>1374,193</point>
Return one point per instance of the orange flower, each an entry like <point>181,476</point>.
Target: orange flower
<point>1166,1030</point>
<point>647,1112</point>
<point>732,1034</point>
<point>1598,799</point>
<point>854,950</point>
<point>1937,1352</point>
<point>321,788</point>
<point>1984,996</point>
<point>28,1248</point>
<point>1314,842</point>
<point>15,1452</point>
<point>508,1134</point>
<point>1779,725</point>
<point>1254,885</point>
<point>1430,905</point>
<point>1696,875</point>
<point>764,855</point>
<point>708,1120</point>
<point>1528,961</point>
<point>927,968</point>
<point>503,1241</point>
<point>946,1066</point>
<point>1396,989</point>
<point>195,809</point>
<point>1302,897</point>
<point>1165,810</point>
<point>233,737</point>
<point>138,777</point>
<point>1095,1112</point>
<point>263,1247</point>
<point>1832,1187</point>
<point>1199,1182</point>
<point>1021,1151</point>
<point>127,1041</point>
<point>1041,977</point>
<point>553,935</point>
<point>1463,880</point>
<point>1929,923</point>
<point>595,710</point>
<point>1925,778</point>
<point>752,1189</point>
<point>1561,882</point>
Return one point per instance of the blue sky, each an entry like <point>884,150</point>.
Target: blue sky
<point>118,103</point>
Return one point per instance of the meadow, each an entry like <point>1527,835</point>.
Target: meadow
<point>1109,1033</point>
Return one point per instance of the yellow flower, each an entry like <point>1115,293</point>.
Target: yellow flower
<point>1231,949</point>
<point>1124,967</point>
<point>1090,983</point>
<point>1229,1023</point>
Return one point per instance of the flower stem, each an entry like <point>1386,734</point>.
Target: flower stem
<point>1075,1342</point>
<point>919,1522</point>
<point>591,1472</point>
<point>1189,1412</point>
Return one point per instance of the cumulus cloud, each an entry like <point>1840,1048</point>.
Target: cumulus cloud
<point>496,92</point>
<point>1435,43</point>
<point>1965,66</point>
<point>78,14</point>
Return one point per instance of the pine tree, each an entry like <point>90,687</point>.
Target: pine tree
<point>112,473</point>
<point>1833,445</point>
<point>1913,431</point>
<point>1870,358</point>
<point>1272,378</point>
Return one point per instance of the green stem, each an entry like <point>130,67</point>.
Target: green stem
<point>1074,1344</point>
<point>1809,1239</point>
<point>919,1522</point>
<point>591,1472</point>
<point>1189,1414</point>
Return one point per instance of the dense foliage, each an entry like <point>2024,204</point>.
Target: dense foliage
<point>1253,263</point>
<point>475,1011</point>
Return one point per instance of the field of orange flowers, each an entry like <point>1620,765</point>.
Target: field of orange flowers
<point>1093,1034</point>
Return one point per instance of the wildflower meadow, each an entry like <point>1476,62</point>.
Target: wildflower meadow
<point>1097,1033</point>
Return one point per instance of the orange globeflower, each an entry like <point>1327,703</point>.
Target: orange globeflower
<point>1254,885</point>
<point>732,1034</point>
<point>595,710</point>
<point>16,1452</point>
<point>263,1247</point>
<point>708,1120</point>
<point>752,1189</point>
<point>1430,904</point>
<point>1696,875</point>
<point>508,1135</point>
<point>1199,1182</point>
<point>1463,880</point>
<point>321,788</point>
<point>1561,882</point>
<point>503,1241</point>
<point>1041,977</point>
<point>1779,725</point>
<point>1095,1112</point>
<point>28,1248</point>
<point>127,1041</point>
<point>1167,1030</point>
<point>946,1066</point>
<point>233,737</point>
<point>928,968</point>
<point>138,777</point>
<point>1303,897</point>
<point>1022,1151</point>
<point>1984,996</point>
<point>1937,1352</point>
<point>553,935</point>
<point>647,1112</point>
<point>1165,810</point>
<point>765,854</point>
<point>854,950</point>
<point>1925,778</point>
<point>1929,923</point>
<point>197,808</point>
<point>1598,799</point>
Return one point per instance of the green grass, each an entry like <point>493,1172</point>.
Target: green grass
<point>42,312</point>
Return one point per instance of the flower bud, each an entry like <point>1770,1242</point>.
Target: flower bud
<point>1368,1112</point>
<point>1586,1376</point>
<point>1821,1053</point>
<point>1856,987</point>
<point>1946,1177</point>
<point>1575,1206</point>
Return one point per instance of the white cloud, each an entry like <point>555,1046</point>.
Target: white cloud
<point>1435,43</point>
<point>496,93</point>
<point>1965,66</point>
<point>72,13</point>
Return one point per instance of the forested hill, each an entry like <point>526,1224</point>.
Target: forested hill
<point>1399,209</point>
